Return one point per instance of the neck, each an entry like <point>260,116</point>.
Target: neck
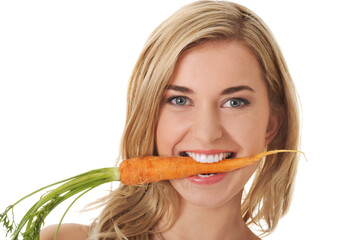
<point>196,222</point>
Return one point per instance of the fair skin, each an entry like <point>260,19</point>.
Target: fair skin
<point>216,103</point>
<point>67,232</point>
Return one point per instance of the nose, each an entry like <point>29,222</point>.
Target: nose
<point>206,126</point>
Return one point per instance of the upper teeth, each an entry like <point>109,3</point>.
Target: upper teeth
<point>211,158</point>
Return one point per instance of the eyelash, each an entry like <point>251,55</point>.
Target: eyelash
<point>171,99</point>
<point>243,102</point>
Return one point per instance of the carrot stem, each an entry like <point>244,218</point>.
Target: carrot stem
<point>35,216</point>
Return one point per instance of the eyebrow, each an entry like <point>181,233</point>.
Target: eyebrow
<point>179,89</point>
<point>236,89</point>
<point>226,91</point>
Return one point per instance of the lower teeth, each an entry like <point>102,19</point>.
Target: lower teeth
<point>206,175</point>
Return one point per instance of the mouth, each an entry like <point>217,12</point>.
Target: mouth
<point>208,158</point>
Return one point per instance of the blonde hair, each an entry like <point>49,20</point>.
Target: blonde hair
<point>132,212</point>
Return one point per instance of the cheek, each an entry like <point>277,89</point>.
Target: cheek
<point>162,131</point>
<point>169,131</point>
<point>248,130</point>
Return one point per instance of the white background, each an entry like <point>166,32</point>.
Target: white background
<point>64,67</point>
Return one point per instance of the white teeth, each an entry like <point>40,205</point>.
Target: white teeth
<point>211,158</point>
<point>206,175</point>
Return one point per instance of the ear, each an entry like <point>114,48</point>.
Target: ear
<point>275,120</point>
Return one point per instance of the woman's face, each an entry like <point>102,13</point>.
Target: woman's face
<point>216,106</point>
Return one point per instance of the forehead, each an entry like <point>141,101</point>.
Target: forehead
<point>217,63</point>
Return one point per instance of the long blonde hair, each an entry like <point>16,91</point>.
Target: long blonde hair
<point>132,212</point>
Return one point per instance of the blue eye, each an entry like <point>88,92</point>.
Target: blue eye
<point>236,103</point>
<point>178,100</point>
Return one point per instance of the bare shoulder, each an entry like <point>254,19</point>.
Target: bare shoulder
<point>67,231</point>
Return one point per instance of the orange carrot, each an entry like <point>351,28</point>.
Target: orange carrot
<point>137,171</point>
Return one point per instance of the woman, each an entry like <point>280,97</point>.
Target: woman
<point>211,83</point>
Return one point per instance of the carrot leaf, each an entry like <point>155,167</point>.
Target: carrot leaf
<point>34,219</point>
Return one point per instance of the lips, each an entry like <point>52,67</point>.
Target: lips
<point>202,179</point>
